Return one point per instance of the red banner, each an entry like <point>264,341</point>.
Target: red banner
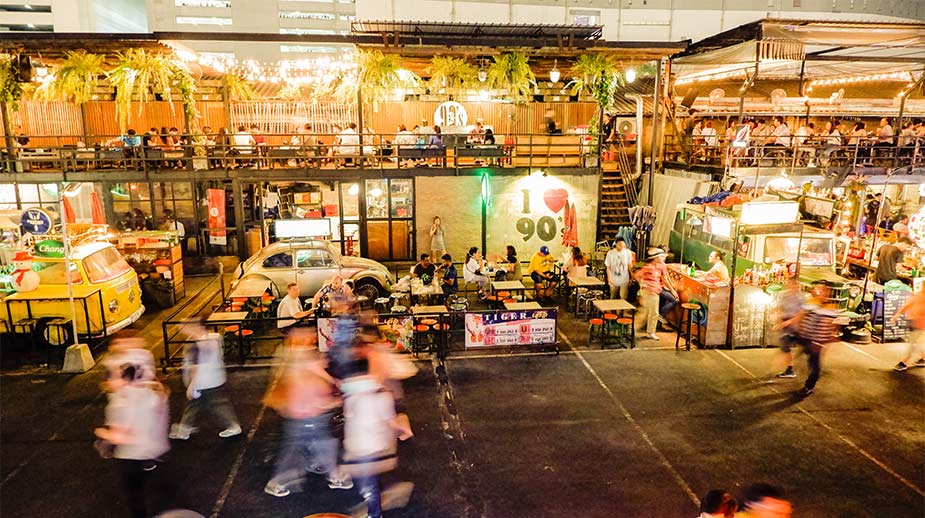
<point>216,199</point>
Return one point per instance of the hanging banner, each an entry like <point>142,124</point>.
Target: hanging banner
<point>216,198</point>
<point>507,328</point>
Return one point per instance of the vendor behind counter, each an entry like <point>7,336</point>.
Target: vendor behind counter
<point>889,257</point>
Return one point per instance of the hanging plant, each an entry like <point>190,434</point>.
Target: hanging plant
<point>76,78</point>
<point>451,75</point>
<point>239,88</point>
<point>380,77</point>
<point>139,74</point>
<point>510,71</point>
<point>599,76</point>
<point>10,89</point>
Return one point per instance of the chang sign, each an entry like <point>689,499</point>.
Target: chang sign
<point>49,248</point>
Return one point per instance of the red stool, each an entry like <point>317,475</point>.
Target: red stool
<point>595,325</point>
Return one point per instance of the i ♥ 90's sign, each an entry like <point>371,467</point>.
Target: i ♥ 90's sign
<point>35,221</point>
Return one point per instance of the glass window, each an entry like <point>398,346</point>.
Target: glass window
<point>376,199</point>
<point>302,15</point>
<point>280,260</point>
<point>202,3</point>
<point>105,265</point>
<point>313,258</point>
<point>52,272</point>
<point>402,198</point>
<point>203,20</point>
<point>814,251</point>
<point>351,200</point>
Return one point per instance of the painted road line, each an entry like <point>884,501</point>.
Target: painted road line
<point>635,424</point>
<point>861,451</point>
<point>518,355</point>
<point>236,467</point>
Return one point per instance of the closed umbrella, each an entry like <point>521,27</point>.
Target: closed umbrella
<point>96,210</point>
<point>68,215</point>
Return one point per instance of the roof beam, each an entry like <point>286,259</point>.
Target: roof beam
<point>865,59</point>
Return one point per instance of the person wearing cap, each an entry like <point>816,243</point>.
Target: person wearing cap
<point>544,279</point>
<point>653,278</point>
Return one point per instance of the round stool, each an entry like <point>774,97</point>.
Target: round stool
<point>685,325</point>
<point>596,325</point>
<point>503,294</point>
<point>399,309</point>
<point>382,304</point>
<point>626,326</point>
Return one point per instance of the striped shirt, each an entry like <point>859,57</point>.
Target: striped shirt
<point>818,325</point>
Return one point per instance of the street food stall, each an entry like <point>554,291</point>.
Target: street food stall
<point>766,245</point>
<point>157,258</point>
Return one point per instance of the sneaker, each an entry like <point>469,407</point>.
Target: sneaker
<point>275,490</point>
<point>920,363</point>
<point>901,366</point>
<point>231,431</point>
<point>342,483</point>
<point>788,373</point>
<point>804,392</point>
<point>662,320</point>
<point>179,432</point>
<point>653,336</point>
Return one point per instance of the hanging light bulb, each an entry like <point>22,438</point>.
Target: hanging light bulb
<point>554,74</point>
<point>483,74</point>
<point>630,75</point>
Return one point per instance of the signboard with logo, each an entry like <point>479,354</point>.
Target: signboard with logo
<point>509,328</point>
<point>35,221</point>
<point>217,233</point>
<point>49,248</point>
<point>450,113</point>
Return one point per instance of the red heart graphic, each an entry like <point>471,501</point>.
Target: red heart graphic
<point>555,199</point>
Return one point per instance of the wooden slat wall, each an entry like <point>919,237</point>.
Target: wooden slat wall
<point>274,117</point>
<point>45,121</point>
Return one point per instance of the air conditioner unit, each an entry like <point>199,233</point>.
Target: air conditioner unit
<point>626,128</point>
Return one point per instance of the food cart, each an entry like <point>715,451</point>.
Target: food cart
<point>765,245</point>
<point>157,258</point>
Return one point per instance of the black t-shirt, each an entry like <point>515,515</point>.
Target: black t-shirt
<point>889,257</point>
<point>873,207</point>
<point>420,270</point>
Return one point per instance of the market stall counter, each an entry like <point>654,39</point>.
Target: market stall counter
<point>709,326</point>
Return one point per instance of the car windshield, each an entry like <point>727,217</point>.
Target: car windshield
<point>105,265</point>
<point>335,252</point>
<point>52,272</point>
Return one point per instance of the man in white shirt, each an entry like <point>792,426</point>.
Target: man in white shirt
<point>618,262</point>
<point>885,133</point>
<point>290,309</point>
<point>348,142</point>
<point>781,134</point>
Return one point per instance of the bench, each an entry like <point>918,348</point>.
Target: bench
<point>423,153</point>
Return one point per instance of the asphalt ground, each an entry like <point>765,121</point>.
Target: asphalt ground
<point>590,433</point>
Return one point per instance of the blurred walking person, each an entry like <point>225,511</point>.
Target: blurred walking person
<point>371,425</point>
<point>303,395</point>
<point>790,310</point>
<point>765,501</point>
<point>818,328</point>
<point>135,430</point>
<point>717,503</point>
<point>204,376</point>
<point>914,311</point>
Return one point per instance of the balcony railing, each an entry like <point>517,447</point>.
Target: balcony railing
<point>299,151</point>
<point>816,151</point>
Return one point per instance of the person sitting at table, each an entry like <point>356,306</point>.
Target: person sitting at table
<point>335,286</point>
<point>424,269</point>
<point>403,139</point>
<point>20,139</point>
<point>347,143</point>
<point>472,271</point>
<point>576,265</point>
<point>719,273</point>
<point>544,279</point>
<point>449,281</point>
<point>489,138</point>
<point>476,134</point>
<point>290,310</point>
<point>131,142</point>
<point>512,270</point>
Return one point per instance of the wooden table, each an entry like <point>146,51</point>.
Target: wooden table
<point>249,288</point>
<point>612,306</point>
<point>517,306</point>
<point>512,286</point>
<point>226,317</point>
<point>424,290</point>
<point>429,310</point>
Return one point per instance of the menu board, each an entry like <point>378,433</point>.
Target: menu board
<point>892,301</point>
<point>750,316</point>
<point>509,328</point>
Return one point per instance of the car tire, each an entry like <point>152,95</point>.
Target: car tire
<point>47,336</point>
<point>369,288</point>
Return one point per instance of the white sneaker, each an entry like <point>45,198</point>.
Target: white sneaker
<point>340,483</point>
<point>653,336</point>
<point>231,431</point>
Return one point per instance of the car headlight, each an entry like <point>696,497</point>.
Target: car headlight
<point>113,306</point>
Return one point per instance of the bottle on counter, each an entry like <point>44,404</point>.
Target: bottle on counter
<point>692,270</point>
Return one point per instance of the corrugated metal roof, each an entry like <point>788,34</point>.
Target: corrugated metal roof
<point>476,30</point>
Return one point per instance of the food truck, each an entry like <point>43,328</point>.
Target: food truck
<point>765,245</point>
<point>34,286</point>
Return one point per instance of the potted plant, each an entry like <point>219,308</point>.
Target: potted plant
<point>450,76</point>
<point>76,78</point>
<point>139,74</point>
<point>380,77</point>
<point>510,71</point>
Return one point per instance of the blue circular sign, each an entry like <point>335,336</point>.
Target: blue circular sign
<point>35,221</point>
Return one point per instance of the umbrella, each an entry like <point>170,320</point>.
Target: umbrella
<point>96,209</point>
<point>68,210</point>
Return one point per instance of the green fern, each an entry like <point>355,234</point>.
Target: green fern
<point>510,71</point>
<point>451,75</point>
<point>76,78</point>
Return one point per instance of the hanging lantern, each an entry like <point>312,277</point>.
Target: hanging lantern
<point>554,74</point>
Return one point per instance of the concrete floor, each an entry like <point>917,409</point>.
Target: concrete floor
<point>586,433</point>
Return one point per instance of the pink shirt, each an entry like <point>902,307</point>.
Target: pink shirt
<point>650,276</point>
